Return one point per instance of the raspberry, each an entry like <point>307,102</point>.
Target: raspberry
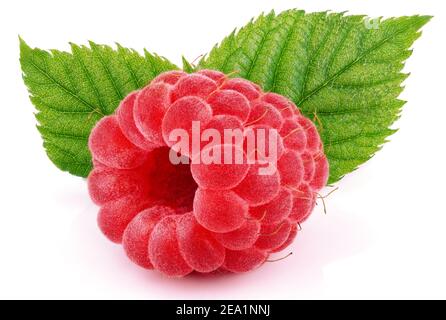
<point>244,260</point>
<point>293,135</point>
<point>194,214</point>
<point>137,234</point>
<point>109,146</point>
<point>273,235</point>
<point>241,238</point>
<point>150,106</point>
<point>313,141</point>
<point>250,90</point>
<point>127,123</point>
<point>257,189</point>
<point>193,85</point>
<point>282,104</point>
<point>217,76</point>
<point>221,176</point>
<point>303,203</point>
<point>264,113</point>
<point>291,175</point>
<point>262,135</point>
<point>219,211</point>
<point>291,236</point>
<point>107,184</point>
<point>181,114</point>
<point>308,161</point>
<point>170,77</point>
<point>222,122</point>
<point>276,210</point>
<point>115,215</point>
<point>320,176</point>
<point>223,102</point>
<point>199,248</point>
<point>164,252</point>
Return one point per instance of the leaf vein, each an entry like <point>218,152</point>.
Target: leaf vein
<point>351,64</point>
<point>67,90</point>
<point>107,72</point>
<point>92,83</point>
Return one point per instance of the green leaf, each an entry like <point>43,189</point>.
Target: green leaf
<point>343,73</point>
<point>187,66</point>
<point>73,90</point>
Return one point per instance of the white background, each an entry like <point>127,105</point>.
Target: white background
<point>385,232</point>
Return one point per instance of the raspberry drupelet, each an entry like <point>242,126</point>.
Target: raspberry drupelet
<point>203,217</point>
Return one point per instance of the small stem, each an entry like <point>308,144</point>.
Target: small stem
<point>278,259</point>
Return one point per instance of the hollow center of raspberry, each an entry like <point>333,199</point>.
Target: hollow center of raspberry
<point>171,184</point>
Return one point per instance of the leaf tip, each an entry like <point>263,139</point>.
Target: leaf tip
<point>92,44</point>
<point>187,66</point>
<point>74,46</point>
<point>426,18</point>
<point>22,44</point>
<point>421,20</point>
<point>25,51</point>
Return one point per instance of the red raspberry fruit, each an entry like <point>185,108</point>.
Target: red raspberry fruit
<point>204,216</point>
